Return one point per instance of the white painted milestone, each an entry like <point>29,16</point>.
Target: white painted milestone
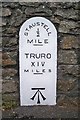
<point>38,62</point>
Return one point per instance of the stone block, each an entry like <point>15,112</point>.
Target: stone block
<point>10,97</point>
<point>9,31</point>
<point>67,57</point>
<point>17,18</point>
<point>3,22</point>
<point>8,62</point>
<point>69,42</point>
<point>29,4</point>
<point>0,85</point>
<point>0,4</point>
<point>65,86</point>
<point>9,41</point>
<point>6,12</point>
<point>0,58</point>
<point>0,44</point>
<point>67,26</point>
<point>9,105</point>
<point>8,73</point>
<point>10,4</point>
<point>9,86</point>
<point>65,5</point>
<point>56,20</point>
<point>65,101</point>
<point>68,72</point>
<point>41,10</point>
<point>9,58</point>
<point>0,73</point>
<point>68,14</point>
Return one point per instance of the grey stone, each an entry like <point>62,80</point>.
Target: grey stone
<point>65,5</point>
<point>0,87</point>
<point>10,4</point>
<point>63,109</point>
<point>73,94</point>
<point>3,22</point>
<point>76,31</point>
<point>29,4</point>
<point>9,41</point>
<point>9,58</point>
<point>17,18</point>
<point>0,58</point>
<point>66,86</point>
<point>10,97</point>
<point>9,86</point>
<point>12,54</point>
<point>68,5</point>
<point>67,26</point>
<point>9,30</point>
<point>6,12</point>
<point>76,6</point>
<point>0,73</point>
<point>55,5</point>
<point>0,43</point>
<point>69,42</point>
<point>41,10</point>
<point>69,69</point>
<point>8,62</point>
<point>56,19</point>
<point>0,4</point>
<point>68,14</point>
<point>0,12</point>
<point>9,72</point>
<point>67,57</point>
<point>68,102</point>
<point>68,72</point>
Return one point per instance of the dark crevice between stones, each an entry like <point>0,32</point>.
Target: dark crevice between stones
<point>10,49</point>
<point>78,52</point>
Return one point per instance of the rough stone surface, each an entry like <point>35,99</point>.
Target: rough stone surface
<point>69,42</point>
<point>0,5</point>
<point>9,42</point>
<point>17,18</point>
<point>0,90</point>
<point>9,73</point>
<point>68,14</point>
<point>65,5</point>
<point>56,112</point>
<point>7,31</point>
<point>6,12</point>
<point>69,69</point>
<point>2,22</point>
<point>9,86</point>
<point>9,58</point>
<point>66,86</point>
<point>68,101</point>
<point>8,62</point>
<point>31,4</point>
<point>10,97</point>
<point>68,27</point>
<point>0,58</point>
<point>66,18</point>
<point>67,57</point>
<point>68,73</point>
<point>41,10</point>
<point>10,4</point>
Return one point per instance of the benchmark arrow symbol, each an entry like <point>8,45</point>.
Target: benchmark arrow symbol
<point>38,92</point>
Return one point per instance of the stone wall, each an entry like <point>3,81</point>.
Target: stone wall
<point>65,16</point>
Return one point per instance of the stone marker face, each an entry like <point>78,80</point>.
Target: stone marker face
<point>38,62</point>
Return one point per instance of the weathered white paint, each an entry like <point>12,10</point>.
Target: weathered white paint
<point>38,44</point>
